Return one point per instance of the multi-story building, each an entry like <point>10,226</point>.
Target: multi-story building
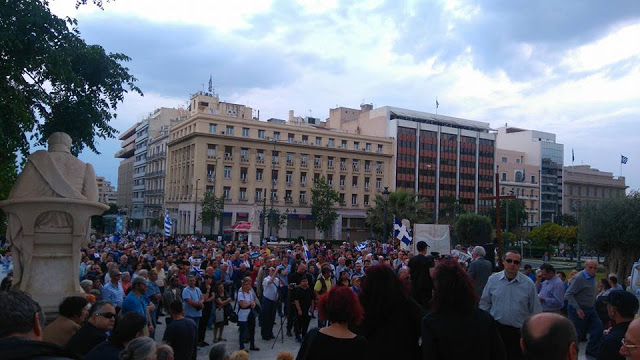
<point>145,130</point>
<point>125,169</point>
<point>521,179</point>
<point>154,178</point>
<point>542,151</point>
<point>583,184</point>
<point>106,193</point>
<point>222,149</point>
<point>441,158</point>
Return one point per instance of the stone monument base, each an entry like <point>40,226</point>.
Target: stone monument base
<point>253,237</point>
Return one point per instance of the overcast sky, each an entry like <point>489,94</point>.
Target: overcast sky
<point>567,67</point>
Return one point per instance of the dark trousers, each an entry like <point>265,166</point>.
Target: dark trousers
<point>589,324</point>
<point>291,309</point>
<point>202,326</point>
<point>268,317</point>
<point>302,324</point>
<point>511,340</point>
<point>196,320</point>
<point>247,329</point>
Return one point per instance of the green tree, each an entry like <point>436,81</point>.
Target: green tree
<point>473,229</point>
<point>97,221</point>
<point>551,234</point>
<point>612,227</point>
<point>517,214</point>
<point>450,210</point>
<point>567,220</point>
<point>211,210</point>
<point>276,219</point>
<point>402,205</point>
<point>53,81</point>
<point>323,200</point>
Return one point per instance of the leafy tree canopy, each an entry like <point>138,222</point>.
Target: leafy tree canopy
<point>323,200</point>
<point>402,205</point>
<point>54,81</point>
<point>517,214</point>
<point>473,229</point>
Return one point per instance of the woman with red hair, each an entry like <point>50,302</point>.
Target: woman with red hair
<point>455,319</point>
<point>340,307</point>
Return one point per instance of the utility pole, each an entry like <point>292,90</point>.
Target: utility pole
<point>498,199</point>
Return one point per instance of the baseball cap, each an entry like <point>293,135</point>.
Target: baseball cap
<point>624,301</point>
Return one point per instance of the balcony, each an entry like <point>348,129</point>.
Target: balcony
<point>289,183</point>
<point>211,178</point>
<point>288,200</point>
<point>379,171</point>
<point>244,159</point>
<point>317,166</point>
<point>343,168</point>
<point>228,157</point>
<point>355,168</point>
<point>354,204</point>
<point>367,170</point>
<point>303,165</point>
<point>366,188</point>
<point>303,184</point>
<point>243,179</point>
<point>260,161</point>
<point>243,199</point>
<point>161,154</point>
<point>341,187</point>
<point>303,201</point>
<point>366,203</point>
<point>289,163</point>
<point>330,167</point>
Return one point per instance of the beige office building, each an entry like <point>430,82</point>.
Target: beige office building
<point>521,178</point>
<point>106,193</point>
<point>223,149</point>
<point>583,184</point>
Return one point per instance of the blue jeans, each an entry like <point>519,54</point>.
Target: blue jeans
<point>590,324</point>
<point>247,328</point>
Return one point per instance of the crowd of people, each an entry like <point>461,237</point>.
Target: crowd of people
<point>376,302</point>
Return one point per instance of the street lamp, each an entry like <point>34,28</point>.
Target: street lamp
<point>220,231</point>
<point>273,182</point>
<point>195,207</point>
<point>385,198</point>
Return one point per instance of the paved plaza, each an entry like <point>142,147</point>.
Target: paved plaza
<point>232,343</point>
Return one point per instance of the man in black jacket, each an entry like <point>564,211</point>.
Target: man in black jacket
<point>622,307</point>
<point>21,324</point>
<point>102,317</point>
<point>421,283</point>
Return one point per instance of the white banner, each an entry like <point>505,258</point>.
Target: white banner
<point>436,236</point>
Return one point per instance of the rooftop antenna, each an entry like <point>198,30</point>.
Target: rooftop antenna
<point>210,84</point>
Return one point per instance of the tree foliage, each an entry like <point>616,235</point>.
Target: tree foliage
<point>276,219</point>
<point>323,200</point>
<point>612,227</point>
<point>551,234</point>
<point>211,209</point>
<point>402,205</point>
<point>517,214</point>
<point>53,81</point>
<point>473,229</point>
<point>450,210</point>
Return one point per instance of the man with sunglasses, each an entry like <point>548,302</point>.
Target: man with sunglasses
<point>510,297</point>
<point>102,318</point>
<point>622,306</point>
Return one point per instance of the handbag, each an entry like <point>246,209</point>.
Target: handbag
<point>229,314</point>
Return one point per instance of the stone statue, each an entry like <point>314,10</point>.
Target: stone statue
<point>49,212</point>
<point>254,217</point>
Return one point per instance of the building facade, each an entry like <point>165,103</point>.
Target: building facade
<point>125,169</point>
<point>441,158</point>
<point>584,184</point>
<point>520,178</point>
<point>154,179</point>
<point>106,193</point>
<point>222,149</point>
<point>542,151</point>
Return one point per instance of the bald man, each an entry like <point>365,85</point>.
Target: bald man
<point>631,343</point>
<point>549,336</point>
<point>581,295</point>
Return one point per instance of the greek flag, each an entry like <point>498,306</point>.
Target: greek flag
<point>623,159</point>
<point>402,232</point>
<point>197,271</point>
<point>361,246</point>
<point>307,253</point>
<point>167,224</point>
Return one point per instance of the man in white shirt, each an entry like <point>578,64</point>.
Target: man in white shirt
<point>270,286</point>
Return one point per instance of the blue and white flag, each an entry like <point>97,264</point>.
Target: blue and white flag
<point>167,224</point>
<point>623,159</point>
<point>361,246</point>
<point>402,232</point>
<point>307,253</point>
<point>197,271</point>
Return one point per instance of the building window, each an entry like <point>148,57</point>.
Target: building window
<point>260,155</point>
<point>244,154</point>
<point>274,194</point>
<point>330,179</point>
<point>317,161</point>
<point>275,157</point>
<point>378,183</point>
<point>330,162</point>
<point>258,194</point>
<point>319,141</point>
<point>289,158</point>
<point>261,134</point>
<point>245,132</point>
<point>243,193</point>
<point>588,191</point>
<point>303,159</point>
<point>290,137</point>
<point>229,130</point>
<point>276,135</point>
<point>341,198</point>
<point>503,176</point>
<point>354,181</point>
<point>289,177</point>
<point>517,161</point>
<point>259,174</point>
<point>356,145</point>
<point>504,159</point>
<point>355,165</point>
<point>305,139</point>
<point>303,178</point>
<point>227,172</point>
<point>303,197</point>
<point>331,143</point>
<point>211,151</point>
<point>212,128</point>
<point>367,146</point>
<point>366,183</point>
<point>227,192</point>
<point>379,149</point>
<point>274,176</point>
<point>343,144</point>
<point>533,179</point>
<point>354,199</point>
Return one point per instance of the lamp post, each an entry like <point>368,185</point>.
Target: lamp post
<point>506,230</point>
<point>195,206</point>
<point>385,198</point>
<point>273,182</point>
<point>264,213</point>
<point>220,231</point>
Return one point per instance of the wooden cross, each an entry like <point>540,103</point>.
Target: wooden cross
<point>498,198</point>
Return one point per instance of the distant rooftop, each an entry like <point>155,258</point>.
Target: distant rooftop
<point>435,119</point>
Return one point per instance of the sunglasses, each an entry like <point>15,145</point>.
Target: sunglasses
<point>510,261</point>
<point>108,315</point>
